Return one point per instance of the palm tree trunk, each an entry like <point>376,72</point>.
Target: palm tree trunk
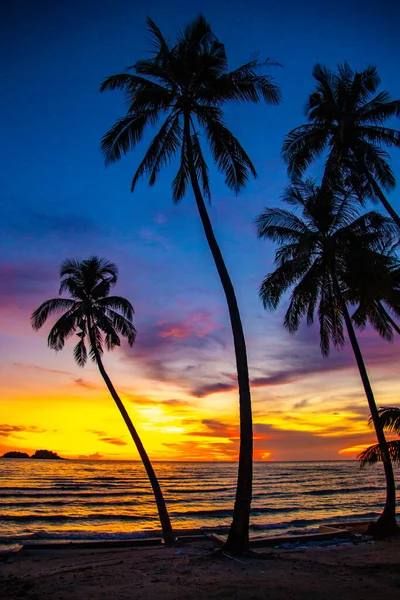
<point>386,523</point>
<point>168,534</point>
<point>381,196</point>
<point>238,537</point>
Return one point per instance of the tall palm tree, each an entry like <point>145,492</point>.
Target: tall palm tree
<point>390,419</point>
<point>312,261</point>
<point>346,117</point>
<point>99,320</point>
<point>186,84</point>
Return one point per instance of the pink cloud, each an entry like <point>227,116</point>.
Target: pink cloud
<point>198,324</point>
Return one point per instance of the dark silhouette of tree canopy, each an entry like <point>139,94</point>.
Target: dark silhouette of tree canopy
<point>98,320</point>
<point>186,84</point>
<point>390,419</point>
<point>313,257</point>
<point>372,282</point>
<point>347,118</point>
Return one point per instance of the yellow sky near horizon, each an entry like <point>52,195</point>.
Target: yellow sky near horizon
<point>69,411</point>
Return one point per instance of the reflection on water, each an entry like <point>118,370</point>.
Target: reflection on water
<point>113,498</point>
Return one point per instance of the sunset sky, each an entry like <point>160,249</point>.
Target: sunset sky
<point>59,201</point>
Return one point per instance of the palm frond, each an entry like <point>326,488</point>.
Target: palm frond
<point>229,155</point>
<point>373,454</point>
<point>121,325</point>
<point>80,353</point>
<point>280,226</point>
<point>380,135</point>
<point>159,42</point>
<point>305,294</point>
<point>125,134</point>
<point>118,303</point>
<point>244,84</point>
<point>302,146</point>
<point>64,328</point>
<point>390,418</point>
<point>161,151</point>
<point>50,307</point>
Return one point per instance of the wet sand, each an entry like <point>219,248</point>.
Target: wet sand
<point>367,571</point>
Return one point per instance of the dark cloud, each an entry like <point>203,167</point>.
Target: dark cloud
<point>85,384</point>
<point>179,352</point>
<point>212,388</point>
<point>302,358</point>
<point>174,402</point>
<point>145,401</point>
<point>27,223</point>
<point>95,456</point>
<point>269,441</point>
<point>14,430</point>
<point>114,441</point>
<point>104,437</point>
<point>301,403</point>
<point>40,369</point>
<point>19,282</point>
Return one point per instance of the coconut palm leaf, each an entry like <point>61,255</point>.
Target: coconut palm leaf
<point>48,308</point>
<point>373,454</point>
<point>390,418</point>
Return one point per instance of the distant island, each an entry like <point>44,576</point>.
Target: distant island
<point>39,454</point>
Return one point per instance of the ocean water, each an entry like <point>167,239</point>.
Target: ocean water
<point>113,499</point>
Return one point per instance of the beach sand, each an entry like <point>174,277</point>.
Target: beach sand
<point>367,571</point>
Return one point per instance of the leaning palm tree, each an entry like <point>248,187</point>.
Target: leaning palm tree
<point>186,84</point>
<point>390,419</point>
<point>99,320</point>
<point>346,117</point>
<point>312,260</point>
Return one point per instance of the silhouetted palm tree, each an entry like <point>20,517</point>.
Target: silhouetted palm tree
<point>390,419</point>
<point>346,117</point>
<point>312,260</point>
<point>186,85</point>
<point>98,320</point>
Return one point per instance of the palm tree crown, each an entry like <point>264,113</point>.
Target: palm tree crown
<point>347,117</point>
<point>189,78</point>
<point>89,312</point>
<point>314,254</point>
<point>372,281</point>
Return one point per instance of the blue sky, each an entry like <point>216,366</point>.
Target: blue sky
<point>58,199</point>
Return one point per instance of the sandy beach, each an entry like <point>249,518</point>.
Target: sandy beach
<point>366,571</point>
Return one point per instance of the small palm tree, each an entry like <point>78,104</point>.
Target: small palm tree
<point>390,419</point>
<point>98,320</point>
<point>186,84</point>
<point>347,117</point>
<point>312,260</point>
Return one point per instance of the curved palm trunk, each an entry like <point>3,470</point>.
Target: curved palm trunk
<point>168,534</point>
<point>386,523</point>
<point>238,538</point>
<point>381,196</point>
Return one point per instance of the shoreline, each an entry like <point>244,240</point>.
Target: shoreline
<point>366,570</point>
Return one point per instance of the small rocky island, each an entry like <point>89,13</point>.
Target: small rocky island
<point>39,454</point>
